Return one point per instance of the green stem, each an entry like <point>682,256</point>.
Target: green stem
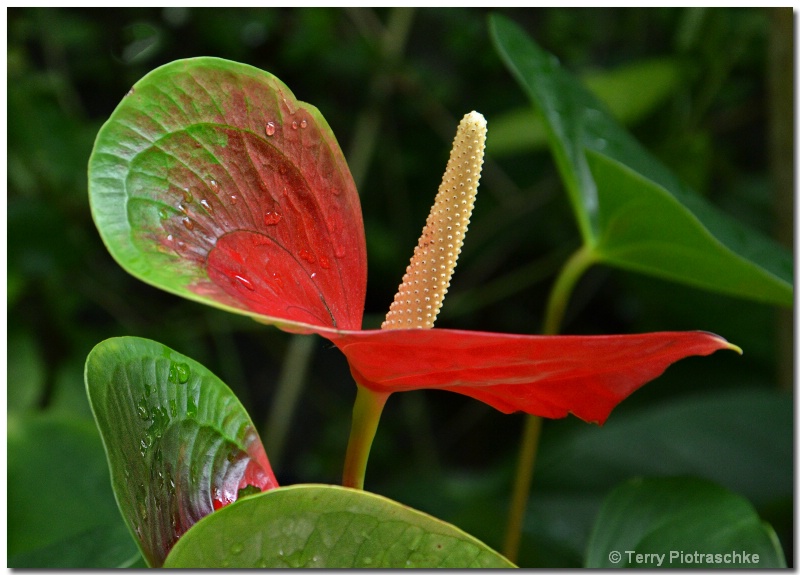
<point>289,388</point>
<point>570,273</point>
<point>366,415</point>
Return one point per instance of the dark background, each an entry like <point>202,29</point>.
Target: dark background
<point>392,83</point>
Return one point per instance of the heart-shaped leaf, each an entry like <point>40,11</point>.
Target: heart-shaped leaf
<point>328,527</point>
<point>747,264</point>
<point>680,522</point>
<point>179,444</point>
<point>210,180</point>
<point>549,376</point>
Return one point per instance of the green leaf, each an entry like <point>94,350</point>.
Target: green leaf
<point>576,122</point>
<point>212,181</point>
<point>670,243</point>
<point>328,527</point>
<point>61,511</point>
<point>631,92</point>
<point>680,522</point>
<point>178,442</point>
<point>739,438</point>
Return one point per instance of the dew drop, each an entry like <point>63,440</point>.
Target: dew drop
<point>244,282</point>
<point>173,407</point>
<point>313,275</point>
<point>276,277</point>
<point>187,223</point>
<point>234,198</point>
<point>306,255</point>
<point>272,218</point>
<point>141,409</point>
<point>339,251</point>
<point>191,408</point>
<point>206,205</point>
<point>324,262</point>
<point>187,196</point>
<point>270,129</point>
<point>163,214</point>
<point>169,238</point>
<point>294,125</point>
<point>213,185</point>
<point>178,373</point>
<point>303,124</point>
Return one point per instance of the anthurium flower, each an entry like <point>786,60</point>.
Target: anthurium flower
<point>210,180</point>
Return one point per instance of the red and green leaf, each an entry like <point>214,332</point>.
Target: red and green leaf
<point>210,180</point>
<point>178,442</point>
<point>549,376</point>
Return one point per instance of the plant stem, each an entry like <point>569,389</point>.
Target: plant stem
<point>570,273</point>
<point>366,415</point>
<point>290,385</point>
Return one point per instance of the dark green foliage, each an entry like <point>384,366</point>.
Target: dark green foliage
<point>391,84</point>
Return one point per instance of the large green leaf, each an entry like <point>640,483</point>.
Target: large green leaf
<point>680,522</point>
<point>329,527</point>
<point>577,122</point>
<point>644,228</point>
<point>61,511</point>
<point>212,181</point>
<point>179,444</point>
<point>631,92</point>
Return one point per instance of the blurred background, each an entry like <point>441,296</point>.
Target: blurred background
<point>708,91</point>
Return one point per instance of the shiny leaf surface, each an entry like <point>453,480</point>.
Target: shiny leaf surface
<point>179,444</point>
<point>577,122</point>
<point>688,522</point>
<point>329,527</point>
<point>210,180</point>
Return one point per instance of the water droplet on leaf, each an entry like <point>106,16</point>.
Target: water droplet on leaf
<point>244,282</point>
<point>272,218</point>
<point>324,262</point>
<point>163,214</point>
<point>206,205</point>
<point>303,124</point>
<point>141,409</point>
<point>307,256</point>
<point>214,186</point>
<point>294,125</point>
<point>187,223</point>
<point>234,198</point>
<point>270,129</point>
<point>178,372</point>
